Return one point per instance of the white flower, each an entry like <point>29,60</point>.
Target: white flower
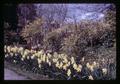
<point>23,56</point>
<point>49,55</point>
<point>55,60</point>
<point>55,54</point>
<point>68,72</point>
<point>5,46</point>
<point>94,64</point>
<point>47,60</point>
<point>39,65</point>
<point>11,54</point>
<point>87,65</point>
<point>65,60</point>
<point>41,52</point>
<point>69,63</point>
<point>28,57</point>
<point>6,55</point>
<point>65,66</point>
<point>104,70</point>
<point>22,59</point>
<point>16,54</point>
<point>26,52</point>
<point>14,61</point>
<point>91,67</point>
<point>8,49</point>
<point>43,58</point>
<point>33,56</point>
<point>57,64</point>
<point>61,64</point>
<point>91,78</point>
<point>39,61</point>
<point>49,63</point>
<point>75,66</point>
<point>20,49</point>
<point>83,59</point>
<point>79,68</point>
<point>72,60</point>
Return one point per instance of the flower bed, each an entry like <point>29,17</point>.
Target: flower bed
<point>57,66</point>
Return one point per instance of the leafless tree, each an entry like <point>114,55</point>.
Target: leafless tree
<point>52,13</point>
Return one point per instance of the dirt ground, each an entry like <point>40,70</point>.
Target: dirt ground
<point>11,75</point>
<point>12,72</point>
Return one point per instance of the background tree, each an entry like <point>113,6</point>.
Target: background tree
<point>52,13</point>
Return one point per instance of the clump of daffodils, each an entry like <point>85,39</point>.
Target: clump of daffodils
<point>59,61</point>
<point>92,66</point>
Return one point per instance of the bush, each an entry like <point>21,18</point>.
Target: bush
<point>32,32</point>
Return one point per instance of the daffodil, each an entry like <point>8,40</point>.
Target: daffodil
<point>83,59</point>
<point>61,64</point>
<point>5,46</point>
<point>6,55</point>
<point>65,60</point>
<point>8,49</point>
<point>20,49</point>
<point>68,72</point>
<point>41,52</point>
<point>72,60</point>
<point>55,60</point>
<point>65,66</point>
<point>91,67</point>
<point>22,59</point>
<point>11,54</point>
<point>90,78</point>
<point>75,66</point>
<point>47,60</point>
<point>14,61</point>
<point>39,61</point>
<point>49,55</point>
<point>104,70</point>
<point>87,64</point>
<point>55,54</point>
<point>49,63</point>
<point>23,56</point>
<point>57,64</point>
<point>33,56</point>
<point>43,58</point>
<point>79,68</point>
<point>39,66</point>
<point>28,57</point>
<point>94,64</point>
<point>69,63</point>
